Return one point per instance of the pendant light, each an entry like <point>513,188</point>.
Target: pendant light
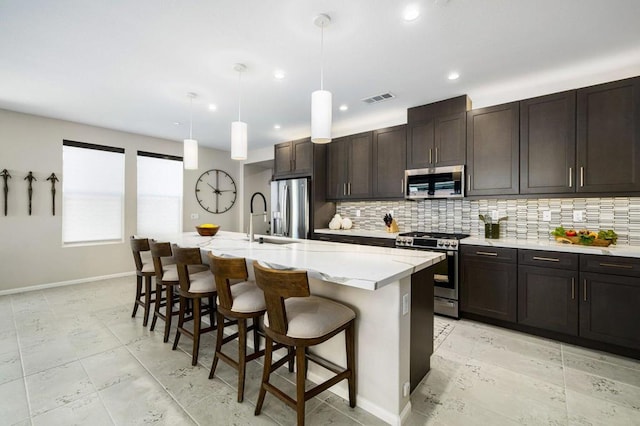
<point>321,99</point>
<point>190,155</point>
<point>239,128</point>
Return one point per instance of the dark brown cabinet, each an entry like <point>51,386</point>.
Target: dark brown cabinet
<point>608,137</point>
<point>547,290</point>
<point>610,300</point>
<point>493,150</point>
<point>489,282</point>
<point>436,133</point>
<point>389,161</point>
<point>293,159</point>
<point>349,167</point>
<point>548,144</point>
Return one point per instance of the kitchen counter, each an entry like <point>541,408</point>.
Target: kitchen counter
<point>376,282</point>
<point>364,267</point>
<point>612,250</point>
<point>358,233</point>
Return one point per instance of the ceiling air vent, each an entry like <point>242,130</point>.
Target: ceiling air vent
<point>378,98</point>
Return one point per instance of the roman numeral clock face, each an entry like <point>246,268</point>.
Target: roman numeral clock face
<point>216,191</point>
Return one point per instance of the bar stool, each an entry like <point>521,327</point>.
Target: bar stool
<point>144,270</point>
<point>295,318</point>
<point>193,287</point>
<point>166,280</point>
<point>237,301</point>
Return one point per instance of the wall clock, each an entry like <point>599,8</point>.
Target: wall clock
<point>216,191</point>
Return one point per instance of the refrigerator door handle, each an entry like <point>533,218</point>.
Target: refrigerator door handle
<point>286,206</point>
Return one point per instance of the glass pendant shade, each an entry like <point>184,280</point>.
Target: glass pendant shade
<point>190,155</point>
<point>321,116</point>
<point>238,140</point>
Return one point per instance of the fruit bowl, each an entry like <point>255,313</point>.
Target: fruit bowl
<point>207,230</point>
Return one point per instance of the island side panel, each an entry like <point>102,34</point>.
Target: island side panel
<point>382,346</point>
<point>421,324</point>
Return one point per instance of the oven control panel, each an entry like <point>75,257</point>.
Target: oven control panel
<point>426,243</point>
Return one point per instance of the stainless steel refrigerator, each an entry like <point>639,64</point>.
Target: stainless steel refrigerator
<point>290,212</point>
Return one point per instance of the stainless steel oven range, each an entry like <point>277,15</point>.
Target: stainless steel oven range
<point>446,272</point>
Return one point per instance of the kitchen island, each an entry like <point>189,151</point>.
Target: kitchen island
<point>377,283</point>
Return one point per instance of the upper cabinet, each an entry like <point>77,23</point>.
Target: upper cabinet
<point>608,137</point>
<point>389,162</point>
<point>293,159</point>
<point>436,133</point>
<point>493,150</point>
<point>349,167</point>
<point>548,144</point>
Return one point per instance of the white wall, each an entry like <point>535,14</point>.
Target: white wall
<point>31,251</point>
<point>257,178</point>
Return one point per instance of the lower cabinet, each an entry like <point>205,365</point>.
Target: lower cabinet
<point>610,305</point>
<point>490,287</point>
<point>590,297</point>
<point>548,299</point>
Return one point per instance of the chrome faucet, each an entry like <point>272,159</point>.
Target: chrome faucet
<point>251,215</point>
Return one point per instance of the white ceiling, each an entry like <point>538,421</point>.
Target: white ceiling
<point>128,65</point>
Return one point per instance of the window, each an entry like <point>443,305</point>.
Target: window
<point>159,194</point>
<point>92,193</point>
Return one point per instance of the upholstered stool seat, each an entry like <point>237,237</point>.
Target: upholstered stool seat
<point>296,319</point>
<point>194,287</point>
<point>238,300</point>
<point>144,271</point>
<point>167,280</point>
<point>312,317</point>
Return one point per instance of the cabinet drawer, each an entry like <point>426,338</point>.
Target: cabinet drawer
<point>548,259</point>
<point>495,254</point>
<point>613,265</point>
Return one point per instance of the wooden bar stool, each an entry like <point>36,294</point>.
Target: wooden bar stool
<point>295,318</point>
<point>144,270</point>
<point>238,300</point>
<point>193,287</point>
<point>166,281</point>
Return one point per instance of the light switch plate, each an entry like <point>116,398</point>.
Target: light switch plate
<point>578,215</point>
<point>406,387</point>
<point>405,304</point>
<point>494,214</point>
<point>546,215</point>
<point>195,216</point>
<point>358,213</point>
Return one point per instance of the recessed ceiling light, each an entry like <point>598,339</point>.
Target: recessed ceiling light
<point>343,107</point>
<point>453,76</point>
<point>177,123</point>
<point>411,12</point>
<point>276,126</point>
<point>213,107</point>
<point>278,74</point>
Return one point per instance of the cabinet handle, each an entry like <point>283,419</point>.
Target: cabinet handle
<point>581,176</point>
<point>573,288</point>
<point>468,182</point>
<point>486,253</point>
<point>617,265</point>
<point>436,155</point>
<point>570,177</point>
<point>344,188</point>
<point>584,288</point>
<point>402,185</point>
<point>349,188</point>
<point>546,259</point>
<point>430,156</point>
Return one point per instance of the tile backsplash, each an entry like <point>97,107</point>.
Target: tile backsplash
<point>525,216</point>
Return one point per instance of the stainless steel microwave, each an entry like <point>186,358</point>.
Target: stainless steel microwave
<point>435,182</point>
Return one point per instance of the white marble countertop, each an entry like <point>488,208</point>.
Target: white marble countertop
<point>358,233</point>
<point>354,265</point>
<point>612,250</point>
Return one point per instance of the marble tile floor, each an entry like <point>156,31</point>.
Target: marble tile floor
<point>74,356</point>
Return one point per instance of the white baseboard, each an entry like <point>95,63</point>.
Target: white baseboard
<point>64,283</point>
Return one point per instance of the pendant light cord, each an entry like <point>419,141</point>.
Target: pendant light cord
<point>239,93</point>
<point>322,57</point>
<point>191,117</point>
